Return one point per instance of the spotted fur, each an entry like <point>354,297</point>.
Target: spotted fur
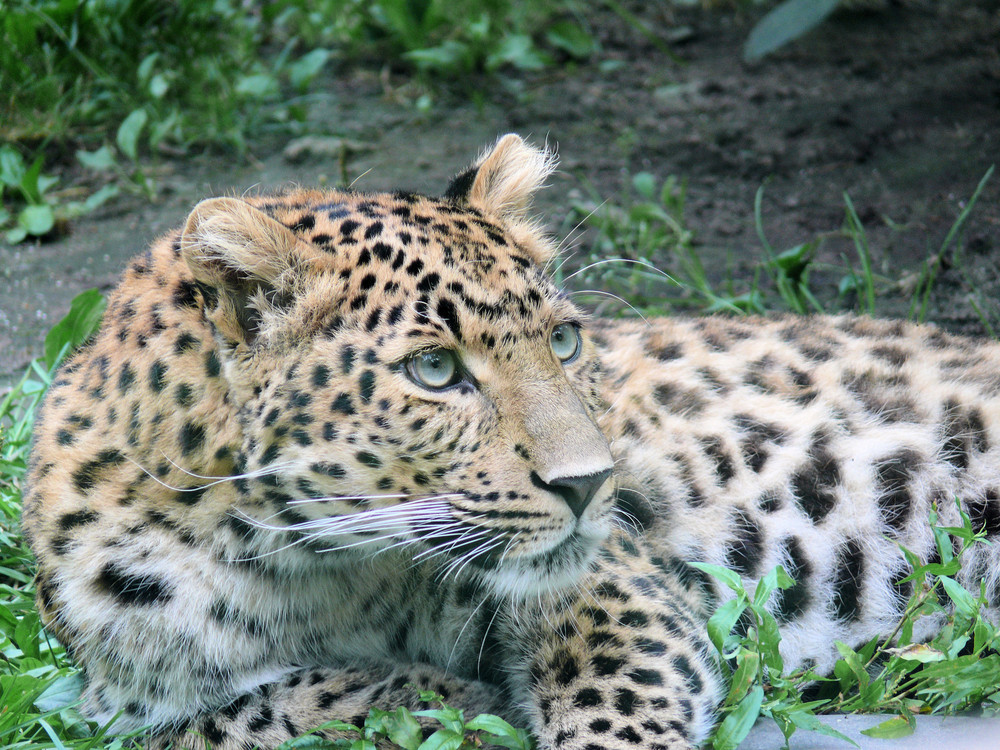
<point>253,512</point>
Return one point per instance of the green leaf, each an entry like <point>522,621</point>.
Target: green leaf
<point>81,321</point>
<point>129,131</point>
<point>747,671</point>
<point>808,721</point>
<point>788,21</point>
<point>158,86</point>
<point>965,603</point>
<point>37,220</point>
<point>257,86</point>
<point>101,159</point>
<point>402,728</point>
<point>449,55</point>
<point>100,197</point>
<point>720,624</point>
<point>60,693</point>
<point>303,70</point>
<point>645,185</point>
<point>450,717</point>
<point>919,652</point>
<point>737,725</point>
<point>519,51</point>
<point>571,39</point>
<point>443,739</point>
<point>11,167</point>
<point>145,68</point>
<point>724,575</point>
<point>15,235</point>
<point>891,729</point>
<point>776,578</point>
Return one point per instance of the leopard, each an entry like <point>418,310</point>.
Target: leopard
<point>333,449</point>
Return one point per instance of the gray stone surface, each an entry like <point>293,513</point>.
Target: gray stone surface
<point>932,733</point>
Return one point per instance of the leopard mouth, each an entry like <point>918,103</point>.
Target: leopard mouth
<point>555,569</point>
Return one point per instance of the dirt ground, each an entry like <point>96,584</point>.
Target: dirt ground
<point>900,108</point>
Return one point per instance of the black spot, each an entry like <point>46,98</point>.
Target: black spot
<point>587,697</point>
<point>368,459</point>
<point>564,667</point>
<point>460,187</point>
<point>65,437</point>
<point>320,375</point>
<point>691,676</point>
<point>185,294</point>
<point>184,395</point>
<point>892,477</point>
<point>626,701</point>
<point>716,452</point>
<point>814,485</point>
<point>343,404</point>
<point>849,571</point>
<point>374,230</point>
<point>212,365</point>
<point>132,589</point>
<point>88,473</point>
<point>646,677</point>
<point>747,548</point>
<point>192,437</point>
<point>156,376</point>
<point>984,514</point>
<point>330,469</point>
<point>428,283</point>
<point>126,378</point>
<point>304,223</point>
<point>629,735</point>
<point>77,518</point>
<point>347,357</point>
<point>185,342</point>
<point>447,312</point>
<point>791,602</point>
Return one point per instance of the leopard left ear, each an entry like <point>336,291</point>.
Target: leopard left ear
<point>501,184</point>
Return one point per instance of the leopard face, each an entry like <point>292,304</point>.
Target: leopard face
<point>378,372</point>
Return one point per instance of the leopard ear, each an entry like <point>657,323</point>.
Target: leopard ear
<point>502,182</point>
<point>242,260</point>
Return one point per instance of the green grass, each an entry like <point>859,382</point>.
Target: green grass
<point>640,254</point>
<point>92,92</point>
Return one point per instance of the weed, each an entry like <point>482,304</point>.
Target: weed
<point>958,669</point>
<point>641,253</point>
<point>403,728</point>
<point>35,208</point>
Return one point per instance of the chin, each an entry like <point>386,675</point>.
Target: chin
<point>559,568</point>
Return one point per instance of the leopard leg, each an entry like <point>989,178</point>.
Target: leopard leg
<point>275,712</point>
<point>626,663</point>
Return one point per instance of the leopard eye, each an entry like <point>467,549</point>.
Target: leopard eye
<point>566,342</point>
<point>434,368</point>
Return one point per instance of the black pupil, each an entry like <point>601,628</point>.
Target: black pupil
<point>434,361</point>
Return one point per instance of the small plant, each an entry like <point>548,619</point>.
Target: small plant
<point>626,255</point>
<point>403,728</point>
<point>959,668</point>
<point>36,681</point>
<point>29,205</point>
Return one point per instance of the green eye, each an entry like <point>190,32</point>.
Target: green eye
<point>434,368</point>
<point>565,341</point>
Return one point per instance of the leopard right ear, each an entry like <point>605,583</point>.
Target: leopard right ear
<point>501,184</point>
<point>242,260</point>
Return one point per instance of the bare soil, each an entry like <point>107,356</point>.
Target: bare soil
<point>900,108</point>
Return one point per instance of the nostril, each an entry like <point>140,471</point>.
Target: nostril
<point>576,491</point>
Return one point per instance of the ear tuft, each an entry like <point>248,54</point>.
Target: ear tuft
<point>241,258</point>
<point>226,238</point>
<point>504,178</point>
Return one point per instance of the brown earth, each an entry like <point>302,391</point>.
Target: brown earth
<point>900,108</point>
